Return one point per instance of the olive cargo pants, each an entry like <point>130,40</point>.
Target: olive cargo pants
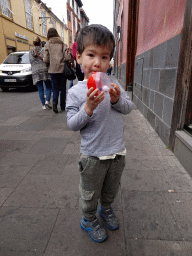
<point>99,181</point>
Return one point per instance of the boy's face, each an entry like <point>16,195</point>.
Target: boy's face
<point>94,59</point>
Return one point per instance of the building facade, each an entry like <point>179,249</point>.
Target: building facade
<point>76,18</point>
<point>21,20</point>
<point>153,59</point>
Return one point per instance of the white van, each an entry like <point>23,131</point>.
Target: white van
<point>16,72</point>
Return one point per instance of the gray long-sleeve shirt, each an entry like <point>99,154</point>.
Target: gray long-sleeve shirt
<point>102,133</point>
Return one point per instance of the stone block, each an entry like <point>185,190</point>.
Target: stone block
<point>168,81</point>
<point>173,51</point>
<point>138,72</point>
<point>151,99</point>
<point>162,130</point>
<point>158,104</point>
<point>151,118</point>
<point>159,55</point>
<point>145,96</point>
<point>146,76</point>
<point>167,110</point>
<point>154,79</point>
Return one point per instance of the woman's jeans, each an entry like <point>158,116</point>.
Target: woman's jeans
<point>40,88</point>
<point>71,84</point>
<point>59,85</point>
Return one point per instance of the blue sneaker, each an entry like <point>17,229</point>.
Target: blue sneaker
<point>94,230</point>
<point>109,217</point>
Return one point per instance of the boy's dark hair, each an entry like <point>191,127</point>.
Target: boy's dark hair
<point>95,34</point>
<point>52,32</point>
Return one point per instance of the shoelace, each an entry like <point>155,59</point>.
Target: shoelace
<point>109,213</point>
<point>95,224</point>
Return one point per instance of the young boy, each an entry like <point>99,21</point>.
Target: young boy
<point>99,119</point>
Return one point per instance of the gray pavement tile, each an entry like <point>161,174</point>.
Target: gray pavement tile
<point>181,207</point>
<point>26,229</point>
<point>72,148</point>
<point>11,176</point>
<point>68,239</point>
<point>162,150</point>
<point>49,165</point>
<point>19,253</point>
<point>4,194</point>
<point>4,129</point>
<point>72,161</point>
<point>181,180</point>
<point>147,215</point>
<point>59,133</point>
<point>75,137</point>
<point>16,120</point>
<point>16,158</point>
<point>16,146</point>
<point>43,191</point>
<point>151,162</point>
<point>133,162</point>
<point>168,161</point>
<point>22,135</point>
<point>146,180</point>
<point>158,248</point>
<point>49,146</point>
<point>35,123</point>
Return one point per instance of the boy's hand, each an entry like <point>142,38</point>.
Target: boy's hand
<point>114,93</point>
<point>92,100</point>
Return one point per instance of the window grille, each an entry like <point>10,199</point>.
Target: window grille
<point>28,12</point>
<point>62,34</point>
<point>54,23</point>
<point>44,23</point>
<point>5,8</point>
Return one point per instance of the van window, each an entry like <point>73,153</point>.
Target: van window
<point>17,58</point>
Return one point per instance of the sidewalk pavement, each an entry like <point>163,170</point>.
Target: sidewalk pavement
<point>39,204</point>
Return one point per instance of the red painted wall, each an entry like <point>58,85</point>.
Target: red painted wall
<point>159,20</point>
<point>125,7</point>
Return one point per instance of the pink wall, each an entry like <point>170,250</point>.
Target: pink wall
<point>125,7</point>
<point>159,20</point>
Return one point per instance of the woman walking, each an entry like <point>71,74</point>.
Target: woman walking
<point>40,72</point>
<point>54,59</point>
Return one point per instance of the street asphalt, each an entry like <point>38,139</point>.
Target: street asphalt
<point>39,199</point>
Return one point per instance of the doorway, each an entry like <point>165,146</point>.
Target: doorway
<point>131,42</point>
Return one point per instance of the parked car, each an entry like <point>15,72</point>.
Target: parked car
<point>15,71</point>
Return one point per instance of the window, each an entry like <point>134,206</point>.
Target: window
<point>54,23</point>
<point>44,23</point>
<point>62,34</point>
<point>68,15</point>
<point>74,27</point>
<point>5,8</point>
<point>17,58</point>
<point>73,4</point>
<point>70,36</point>
<point>28,12</point>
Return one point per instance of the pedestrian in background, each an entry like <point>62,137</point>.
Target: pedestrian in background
<point>54,59</point>
<point>69,56</point>
<point>79,73</point>
<point>40,72</point>
<point>43,43</point>
<point>100,121</point>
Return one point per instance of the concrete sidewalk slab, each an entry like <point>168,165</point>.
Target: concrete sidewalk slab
<point>39,199</point>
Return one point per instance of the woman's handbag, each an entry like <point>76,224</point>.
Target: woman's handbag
<point>68,71</point>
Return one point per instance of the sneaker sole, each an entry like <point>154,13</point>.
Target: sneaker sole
<point>102,216</point>
<point>97,241</point>
<point>48,106</point>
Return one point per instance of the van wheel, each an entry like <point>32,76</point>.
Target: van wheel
<point>5,89</point>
